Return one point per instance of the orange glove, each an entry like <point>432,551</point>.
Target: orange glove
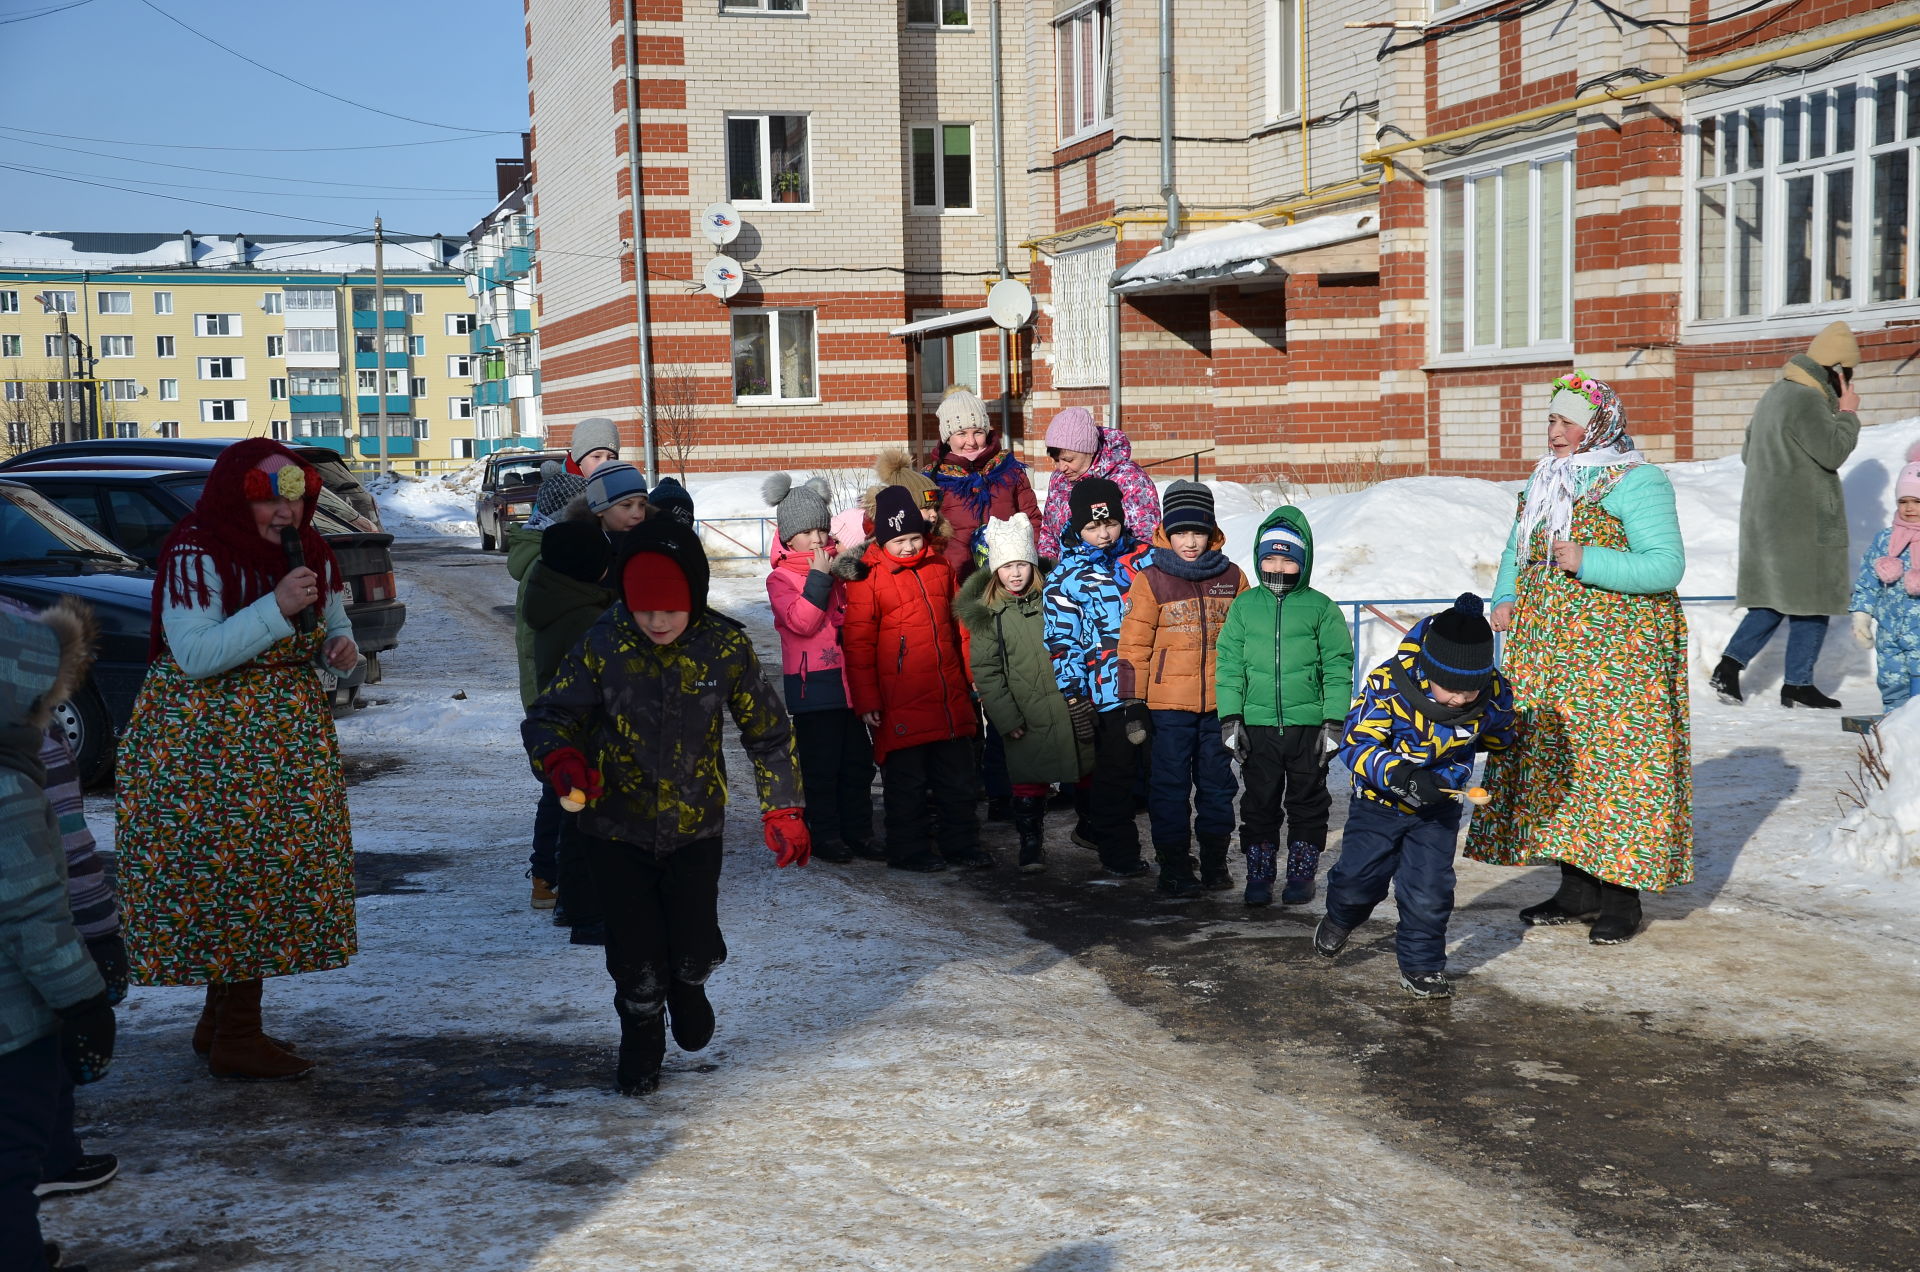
<point>787,837</point>
<point>567,772</point>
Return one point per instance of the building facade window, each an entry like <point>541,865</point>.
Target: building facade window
<point>461,324</point>
<point>125,428</point>
<point>1804,197</point>
<point>15,391</point>
<point>773,356</point>
<point>313,340</point>
<point>9,302</point>
<point>9,346</point>
<point>319,426</point>
<point>767,159</point>
<point>280,430</point>
<point>1082,46</point>
<point>317,300</point>
<point>417,386</point>
<point>169,390</point>
<point>313,383</point>
<point>368,381</point>
<point>1283,58</point>
<point>1503,271</point>
<point>216,324</point>
<point>163,302</point>
<point>115,302</point>
<point>167,428</point>
<point>460,408</point>
<point>222,410</point>
<point>270,302</point>
<point>415,303</point>
<point>947,361</point>
<point>417,346</point>
<point>52,344</point>
<point>422,430</point>
<point>1080,316</point>
<point>116,346</point>
<point>276,346</point>
<point>459,367</point>
<point>277,390</point>
<point>60,302</point>
<point>122,390</point>
<point>943,167</point>
<point>760,6</point>
<point>946,13</point>
<point>223,368</point>
<point>163,346</point>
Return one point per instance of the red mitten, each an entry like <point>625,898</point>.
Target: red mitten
<point>567,772</point>
<point>787,837</point>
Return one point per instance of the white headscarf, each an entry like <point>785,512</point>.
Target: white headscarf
<point>1556,481</point>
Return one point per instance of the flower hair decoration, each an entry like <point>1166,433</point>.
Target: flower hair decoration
<point>1579,382</point>
<point>291,482</point>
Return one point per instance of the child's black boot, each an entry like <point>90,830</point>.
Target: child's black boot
<point>1214,876</point>
<point>690,1015</point>
<point>1262,864</point>
<point>643,1044</point>
<point>1029,816</point>
<point>1303,863</point>
<point>1176,872</point>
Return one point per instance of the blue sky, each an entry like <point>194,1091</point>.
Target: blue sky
<point>117,70</point>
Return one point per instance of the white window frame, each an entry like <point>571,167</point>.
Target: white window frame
<point>280,430</point>
<point>775,397</point>
<point>1080,331</point>
<point>416,303</point>
<point>1475,172</point>
<point>941,10</point>
<point>60,302</point>
<point>1774,316</point>
<point>270,302</point>
<point>221,367</point>
<point>165,347</point>
<point>277,389</point>
<point>121,390</point>
<point>163,302</point>
<point>109,344</point>
<point>460,408</point>
<point>122,300</point>
<point>460,366</point>
<point>417,386</point>
<point>1285,36</point>
<point>203,325</point>
<point>939,205</point>
<point>167,428</point>
<point>276,346</point>
<point>770,201</point>
<point>327,338</point>
<point>10,301</point>
<point>942,352</point>
<point>211,412</point>
<point>51,344</point>
<point>13,391</point>
<point>1069,98</point>
<point>309,300</point>
<point>10,347</point>
<point>462,324</point>
<point>169,390</point>
<point>422,430</point>
<point>416,346</point>
<point>764,8</point>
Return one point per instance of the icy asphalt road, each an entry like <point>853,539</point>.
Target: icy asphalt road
<point>1003,1072</point>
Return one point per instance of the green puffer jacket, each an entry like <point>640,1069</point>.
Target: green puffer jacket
<point>1013,674</point>
<point>1285,660</point>
<point>559,610</point>
<point>523,550</point>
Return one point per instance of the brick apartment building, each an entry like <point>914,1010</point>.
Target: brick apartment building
<point>1390,237</point>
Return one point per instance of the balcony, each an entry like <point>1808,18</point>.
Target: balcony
<point>368,359</point>
<point>315,404</point>
<point>363,319</point>
<point>523,386</point>
<point>331,443</point>
<point>522,322</point>
<point>485,446</point>
<point>480,339</point>
<point>515,262</point>
<point>369,404</point>
<point>370,446</point>
<point>490,393</point>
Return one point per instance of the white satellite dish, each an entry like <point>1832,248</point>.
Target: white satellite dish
<point>723,277</point>
<point>720,223</point>
<point>1010,304</point>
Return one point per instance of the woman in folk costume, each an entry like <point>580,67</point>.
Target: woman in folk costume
<point>1596,650</point>
<point>235,856</point>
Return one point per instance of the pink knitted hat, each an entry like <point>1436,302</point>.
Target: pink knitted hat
<point>1073,429</point>
<point>1907,484</point>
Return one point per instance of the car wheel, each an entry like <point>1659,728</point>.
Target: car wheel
<point>486,541</point>
<point>89,732</point>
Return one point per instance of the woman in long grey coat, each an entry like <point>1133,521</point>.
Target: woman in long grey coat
<point>1793,520</point>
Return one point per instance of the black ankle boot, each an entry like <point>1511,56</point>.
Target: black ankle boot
<point>1029,819</point>
<point>1619,915</point>
<point>1214,876</point>
<point>1725,680</point>
<point>1807,696</point>
<point>643,1044</point>
<point>1176,871</point>
<point>1577,901</point>
<point>689,1015</point>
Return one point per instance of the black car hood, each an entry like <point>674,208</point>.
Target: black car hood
<point>131,589</point>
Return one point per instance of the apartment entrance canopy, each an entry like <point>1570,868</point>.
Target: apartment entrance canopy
<point>1244,254</point>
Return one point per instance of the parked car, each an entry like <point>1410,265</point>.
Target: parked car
<point>137,507</point>
<point>46,554</point>
<point>507,491</point>
<point>331,464</point>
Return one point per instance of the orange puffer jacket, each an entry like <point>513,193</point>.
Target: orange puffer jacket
<point>906,654</point>
<point>1174,612</point>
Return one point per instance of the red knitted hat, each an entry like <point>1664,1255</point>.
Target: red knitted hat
<point>655,581</point>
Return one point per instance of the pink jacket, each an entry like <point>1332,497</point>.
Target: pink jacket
<point>809,608</point>
<point>1139,500</point>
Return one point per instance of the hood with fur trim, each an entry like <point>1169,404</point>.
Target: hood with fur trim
<point>44,660</point>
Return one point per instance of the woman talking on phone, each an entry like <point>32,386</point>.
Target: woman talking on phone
<point>1794,562</point>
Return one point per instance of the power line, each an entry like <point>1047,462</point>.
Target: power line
<point>179,198</point>
<point>8,19</point>
<point>425,123</point>
<point>228,172</point>
<point>271,194</point>
<point>265,150</point>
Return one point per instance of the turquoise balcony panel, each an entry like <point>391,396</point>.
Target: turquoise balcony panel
<point>368,404</point>
<point>522,321</point>
<point>481,338</point>
<point>331,443</point>
<point>485,446</point>
<point>490,393</point>
<point>363,318</point>
<point>315,404</point>
<point>369,360</point>
<point>516,263</point>
<point>370,446</point>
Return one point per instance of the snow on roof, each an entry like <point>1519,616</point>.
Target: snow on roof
<point>1243,247</point>
<point>84,249</point>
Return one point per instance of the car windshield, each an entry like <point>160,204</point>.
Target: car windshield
<point>31,527</point>
<point>518,472</point>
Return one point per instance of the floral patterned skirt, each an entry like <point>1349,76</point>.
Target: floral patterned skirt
<point>235,857</point>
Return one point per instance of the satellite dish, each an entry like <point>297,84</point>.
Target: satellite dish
<point>1010,304</point>
<point>720,223</point>
<point>723,277</point>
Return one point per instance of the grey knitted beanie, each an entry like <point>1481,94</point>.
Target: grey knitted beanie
<point>798,509</point>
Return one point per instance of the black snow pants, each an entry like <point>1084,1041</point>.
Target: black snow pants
<point>1282,773</point>
<point>663,924</point>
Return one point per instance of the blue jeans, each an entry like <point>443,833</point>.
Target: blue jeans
<point>1188,755</point>
<point>1805,634</point>
<point>1414,852</point>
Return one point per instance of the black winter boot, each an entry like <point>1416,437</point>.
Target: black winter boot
<point>1303,863</point>
<point>1029,817</point>
<point>643,1043</point>
<point>832,850</point>
<point>1262,863</point>
<point>1577,901</point>
<point>999,808</point>
<point>1725,681</point>
<point>1176,872</point>
<point>1619,915</point>
<point>1807,696</point>
<point>1082,827</point>
<point>690,1015</point>
<point>1214,876</point>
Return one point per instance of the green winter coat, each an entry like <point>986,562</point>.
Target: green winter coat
<point>1285,660</point>
<point>1013,674</point>
<point>558,610</point>
<point>523,550</point>
<point>1793,520</point>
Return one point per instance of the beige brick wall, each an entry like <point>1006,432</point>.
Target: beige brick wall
<point>1469,422</point>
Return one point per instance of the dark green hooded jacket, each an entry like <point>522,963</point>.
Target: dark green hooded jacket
<point>1285,660</point>
<point>558,610</point>
<point>523,552</point>
<point>1013,674</point>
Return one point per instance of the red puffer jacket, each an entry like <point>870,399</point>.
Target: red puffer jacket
<point>906,656</point>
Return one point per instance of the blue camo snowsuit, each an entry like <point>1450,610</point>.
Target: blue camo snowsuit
<point>1896,624</point>
<point>1085,601</point>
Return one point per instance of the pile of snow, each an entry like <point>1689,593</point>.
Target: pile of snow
<point>1883,838</point>
<point>427,507</point>
<point>1243,247</point>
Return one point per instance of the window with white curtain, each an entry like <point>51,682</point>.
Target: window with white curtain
<point>773,356</point>
<point>1080,316</point>
<point>1503,264</point>
<point>1082,42</point>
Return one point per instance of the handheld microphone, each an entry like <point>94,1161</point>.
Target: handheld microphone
<point>297,557</point>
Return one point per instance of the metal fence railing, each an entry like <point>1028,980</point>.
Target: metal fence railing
<point>740,543</point>
<point>1174,459</point>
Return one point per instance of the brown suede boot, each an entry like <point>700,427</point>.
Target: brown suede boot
<point>203,1029</point>
<point>240,1049</point>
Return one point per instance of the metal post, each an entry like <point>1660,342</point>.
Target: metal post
<point>380,337</point>
<point>642,323</point>
<point>1000,222</point>
<point>66,377</point>
<point>1113,351</point>
<point>1166,123</point>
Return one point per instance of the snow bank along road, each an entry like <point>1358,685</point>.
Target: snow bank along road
<point>1028,1073</point>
